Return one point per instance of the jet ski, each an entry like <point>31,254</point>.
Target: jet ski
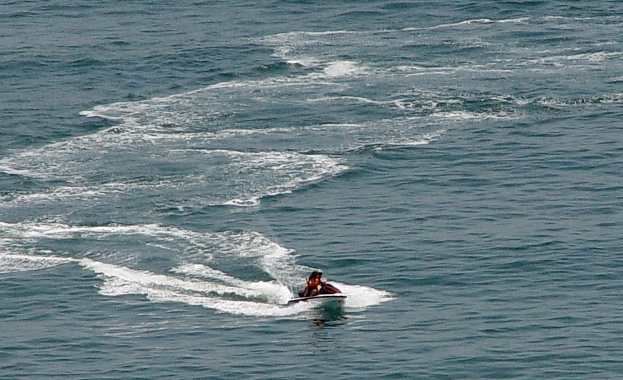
<point>321,299</point>
<point>319,292</point>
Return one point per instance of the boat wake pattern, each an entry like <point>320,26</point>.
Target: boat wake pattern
<point>231,144</point>
<point>189,263</point>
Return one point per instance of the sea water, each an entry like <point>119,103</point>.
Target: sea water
<point>171,171</point>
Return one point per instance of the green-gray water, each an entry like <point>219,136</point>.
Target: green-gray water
<point>171,171</point>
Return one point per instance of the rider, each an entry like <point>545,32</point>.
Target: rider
<point>316,285</point>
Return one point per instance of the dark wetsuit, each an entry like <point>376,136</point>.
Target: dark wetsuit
<point>329,289</point>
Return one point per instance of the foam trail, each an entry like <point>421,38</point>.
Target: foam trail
<point>278,292</point>
<point>472,22</point>
<point>233,307</point>
<point>204,271</point>
<point>22,263</point>
<point>237,178</point>
<point>361,297</point>
<point>262,299</point>
<point>191,283</point>
<point>64,231</point>
<point>342,68</point>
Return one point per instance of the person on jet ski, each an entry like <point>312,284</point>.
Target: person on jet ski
<point>315,285</point>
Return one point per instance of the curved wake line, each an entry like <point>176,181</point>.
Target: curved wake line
<point>237,178</point>
<point>261,298</point>
<point>234,296</point>
<point>192,280</point>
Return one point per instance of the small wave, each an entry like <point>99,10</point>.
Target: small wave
<point>285,45</point>
<point>467,115</point>
<point>598,56</point>
<point>359,99</point>
<point>90,193</point>
<point>590,57</point>
<point>303,61</point>
<point>478,21</point>
<point>550,18</point>
<point>609,98</point>
<point>588,101</point>
<point>253,202</point>
<point>296,34</point>
<point>303,48</point>
<point>342,68</point>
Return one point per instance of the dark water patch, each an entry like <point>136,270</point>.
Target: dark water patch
<point>118,42</point>
<point>62,8</point>
<point>359,15</point>
<point>128,11</point>
<point>26,65</point>
<point>18,15</point>
<point>84,63</point>
<point>399,5</point>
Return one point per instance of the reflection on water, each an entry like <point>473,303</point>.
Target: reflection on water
<point>326,319</point>
<point>329,316</point>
